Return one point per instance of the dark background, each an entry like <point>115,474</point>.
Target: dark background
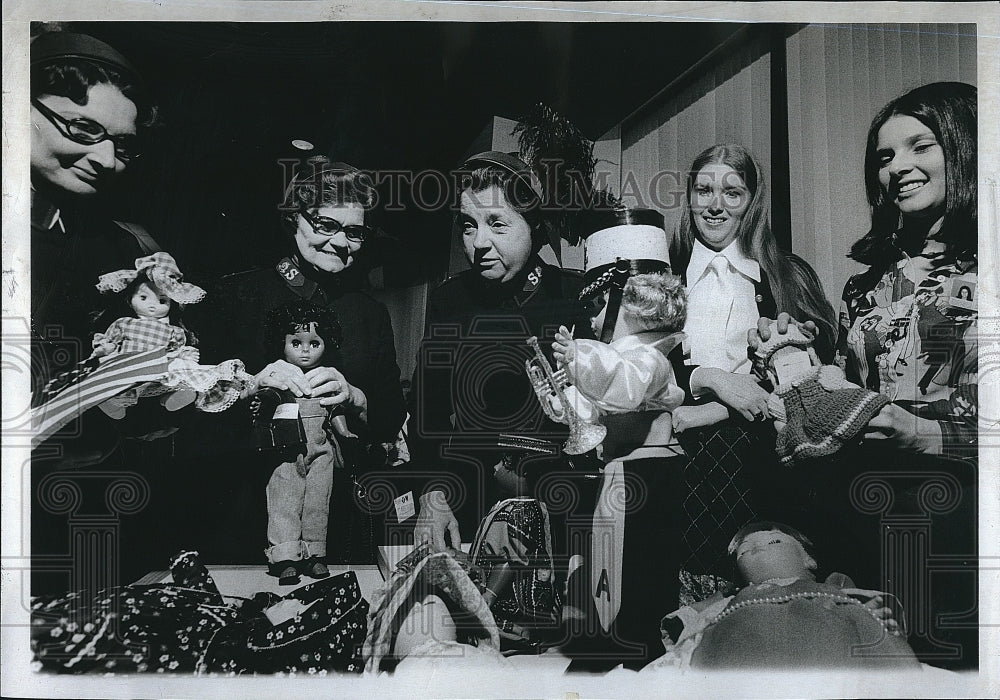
<point>399,95</point>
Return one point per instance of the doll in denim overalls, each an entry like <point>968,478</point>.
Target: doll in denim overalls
<point>298,493</point>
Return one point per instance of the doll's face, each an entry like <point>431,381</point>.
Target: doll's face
<point>769,554</point>
<point>149,302</point>
<point>305,347</point>
<point>599,311</point>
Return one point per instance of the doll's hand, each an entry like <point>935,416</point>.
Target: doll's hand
<point>339,424</point>
<point>284,376</point>
<point>900,427</point>
<point>563,347</point>
<point>336,390</point>
<point>103,349</point>
<point>876,605</point>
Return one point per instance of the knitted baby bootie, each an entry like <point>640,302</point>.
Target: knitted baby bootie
<point>823,412</point>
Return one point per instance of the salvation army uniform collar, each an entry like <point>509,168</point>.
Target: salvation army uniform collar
<point>296,280</point>
<point>532,281</point>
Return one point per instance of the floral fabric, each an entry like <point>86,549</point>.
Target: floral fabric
<point>188,627</point>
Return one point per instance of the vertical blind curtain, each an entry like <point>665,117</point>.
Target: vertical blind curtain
<point>838,78</point>
<point>729,99</point>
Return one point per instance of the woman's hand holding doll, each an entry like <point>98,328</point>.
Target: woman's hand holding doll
<point>284,376</point>
<point>330,383</point>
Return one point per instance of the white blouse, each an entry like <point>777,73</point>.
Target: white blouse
<point>722,307</point>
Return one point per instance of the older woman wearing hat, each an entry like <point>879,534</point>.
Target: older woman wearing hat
<point>326,221</point>
<point>469,385</point>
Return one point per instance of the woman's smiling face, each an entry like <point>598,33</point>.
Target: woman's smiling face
<point>81,169</point>
<point>911,166</point>
<point>718,199</point>
<point>334,253</point>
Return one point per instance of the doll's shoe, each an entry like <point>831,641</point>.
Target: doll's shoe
<point>287,572</point>
<point>314,568</point>
<point>176,400</point>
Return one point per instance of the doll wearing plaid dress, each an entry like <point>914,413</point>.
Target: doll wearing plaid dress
<point>155,293</point>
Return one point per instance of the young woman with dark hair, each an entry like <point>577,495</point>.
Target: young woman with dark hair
<point>920,175</point>
<point>902,335</point>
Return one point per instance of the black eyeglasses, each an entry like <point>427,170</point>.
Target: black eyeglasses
<point>325,226</point>
<point>88,133</point>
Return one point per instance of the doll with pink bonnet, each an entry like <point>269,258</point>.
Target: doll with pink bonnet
<point>156,293</point>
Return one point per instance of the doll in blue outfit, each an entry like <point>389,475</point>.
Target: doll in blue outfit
<point>298,493</point>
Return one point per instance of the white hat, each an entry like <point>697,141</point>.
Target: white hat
<point>621,243</point>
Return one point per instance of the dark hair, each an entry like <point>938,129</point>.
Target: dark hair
<point>965,288</point>
<point>949,110</point>
<point>796,287</point>
<point>72,77</point>
<point>174,314</point>
<point>291,317</point>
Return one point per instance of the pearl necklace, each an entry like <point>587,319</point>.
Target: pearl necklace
<point>778,599</point>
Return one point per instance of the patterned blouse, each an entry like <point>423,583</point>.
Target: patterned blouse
<point>911,334</point>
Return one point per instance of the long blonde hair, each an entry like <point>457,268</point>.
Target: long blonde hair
<point>796,288</point>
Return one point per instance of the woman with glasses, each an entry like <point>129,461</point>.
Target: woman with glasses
<point>325,219</point>
<point>88,108</point>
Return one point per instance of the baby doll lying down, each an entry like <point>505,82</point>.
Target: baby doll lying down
<point>784,618</point>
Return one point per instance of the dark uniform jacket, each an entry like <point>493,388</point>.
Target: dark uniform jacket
<point>470,383</point>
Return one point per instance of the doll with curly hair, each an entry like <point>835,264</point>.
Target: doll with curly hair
<point>632,371</point>
<point>298,494</point>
